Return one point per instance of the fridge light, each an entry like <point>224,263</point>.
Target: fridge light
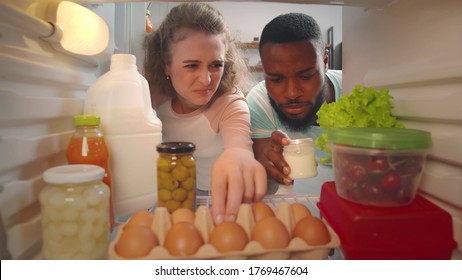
<point>77,29</point>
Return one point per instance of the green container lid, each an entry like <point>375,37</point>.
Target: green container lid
<point>386,138</point>
<point>81,120</point>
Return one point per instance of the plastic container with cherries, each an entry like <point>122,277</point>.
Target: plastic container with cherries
<point>378,166</point>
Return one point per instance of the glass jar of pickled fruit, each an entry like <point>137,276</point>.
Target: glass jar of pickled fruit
<point>75,213</point>
<point>176,176</point>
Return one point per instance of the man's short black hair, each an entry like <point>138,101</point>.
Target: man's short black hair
<point>292,27</point>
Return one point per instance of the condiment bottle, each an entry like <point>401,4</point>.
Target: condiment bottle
<point>149,26</point>
<point>88,146</point>
<point>75,213</point>
<point>176,176</point>
<point>301,158</point>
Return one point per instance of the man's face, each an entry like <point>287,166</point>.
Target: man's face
<point>295,79</point>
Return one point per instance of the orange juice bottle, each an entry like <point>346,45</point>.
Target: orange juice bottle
<point>88,146</point>
<point>149,26</point>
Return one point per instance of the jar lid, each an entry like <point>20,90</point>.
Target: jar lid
<point>86,120</point>
<point>380,137</point>
<point>73,173</point>
<point>176,147</point>
<point>301,141</point>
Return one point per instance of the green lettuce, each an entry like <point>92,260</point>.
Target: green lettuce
<point>364,107</point>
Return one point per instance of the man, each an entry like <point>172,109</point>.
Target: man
<point>297,82</point>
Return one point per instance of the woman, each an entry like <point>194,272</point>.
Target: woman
<point>194,69</point>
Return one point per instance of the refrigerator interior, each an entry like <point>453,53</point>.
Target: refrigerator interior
<point>411,47</point>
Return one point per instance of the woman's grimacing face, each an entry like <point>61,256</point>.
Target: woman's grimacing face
<point>294,77</point>
<point>196,68</point>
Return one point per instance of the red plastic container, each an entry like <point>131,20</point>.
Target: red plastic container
<point>420,230</point>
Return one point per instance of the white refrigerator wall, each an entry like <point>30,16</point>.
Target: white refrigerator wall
<point>414,48</point>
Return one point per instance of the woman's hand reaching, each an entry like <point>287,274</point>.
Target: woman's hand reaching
<point>236,177</point>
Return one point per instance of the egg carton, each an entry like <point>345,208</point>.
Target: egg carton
<point>296,250</point>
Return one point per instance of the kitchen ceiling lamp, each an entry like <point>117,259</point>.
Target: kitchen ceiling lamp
<point>77,30</point>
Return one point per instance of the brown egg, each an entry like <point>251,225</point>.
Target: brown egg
<point>183,215</point>
<point>136,241</point>
<point>141,218</point>
<point>271,233</point>
<point>312,230</point>
<point>228,236</point>
<point>300,211</point>
<point>261,210</point>
<point>183,239</point>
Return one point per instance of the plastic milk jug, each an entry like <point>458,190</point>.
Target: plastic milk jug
<point>132,129</point>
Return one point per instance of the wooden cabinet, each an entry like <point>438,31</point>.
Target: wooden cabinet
<point>256,68</point>
<point>251,46</point>
<point>248,45</point>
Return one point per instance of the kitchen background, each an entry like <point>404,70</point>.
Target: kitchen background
<point>127,23</point>
<point>411,47</point>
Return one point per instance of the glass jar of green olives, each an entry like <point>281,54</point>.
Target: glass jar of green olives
<point>176,176</point>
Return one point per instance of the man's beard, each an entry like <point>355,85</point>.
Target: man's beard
<point>305,123</point>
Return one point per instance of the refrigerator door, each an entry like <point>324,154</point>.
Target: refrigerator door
<point>41,89</point>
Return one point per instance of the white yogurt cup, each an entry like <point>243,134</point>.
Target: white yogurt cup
<point>300,155</point>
